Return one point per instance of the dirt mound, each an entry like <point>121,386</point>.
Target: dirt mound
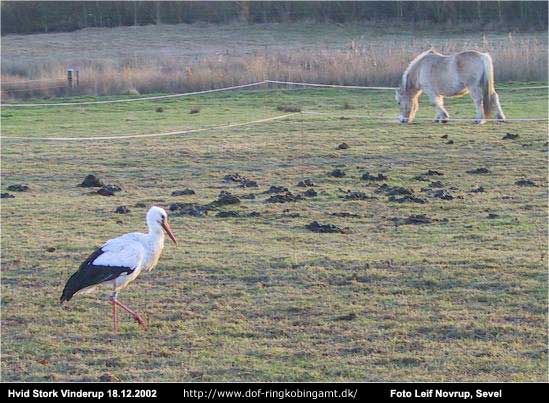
<point>434,190</point>
<point>109,190</point>
<point>284,198</point>
<point>510,136</point>
<point>351,316</point>
<point>337,173</point>
<point>478,171</point>
<point>91,181</point>
<point>306,183</point>
<point>393,190</point>
<point>520,182</point>
<point>225,214</point>
<point>224,198</point>
<point>288,108</point>
<point>344,214</point>
<point>310,193</point>
<point>277,189</point>
<point>232,178</point>
<point>414,219</point>
<point>342,146</point>
<point>6,196</point>
<point>368,177</point>
<point>425,176</point>
<point>184,192</point>
<point>140,205</point>
<point>353,195</point>
<point>443,194</point>
<point>492,216</point>
<point>106,377</point>
<point>232,214</point>
<point>122,210</point>
<point>406,199</point>
<point>249,196</point>
<point>247,183</point>
<point>242,180</point>
<point>192,209</point>
<point>315,226</point>
<point>479,189</point>
<point>19,187</point>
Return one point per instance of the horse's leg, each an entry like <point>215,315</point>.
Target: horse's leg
<point>476,94</point>
<point>500,116</point>
<point>442,114</point>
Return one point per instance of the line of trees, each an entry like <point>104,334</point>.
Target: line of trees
<point>41,16</point>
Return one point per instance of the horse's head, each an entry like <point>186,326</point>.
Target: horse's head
<point>408,105</point>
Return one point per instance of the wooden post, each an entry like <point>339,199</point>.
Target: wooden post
<point>70,76</point>
<point>73,77</point>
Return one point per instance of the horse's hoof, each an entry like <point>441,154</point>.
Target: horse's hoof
<point>445,120</point>
<point>480,121</point>
<point>500,119</point>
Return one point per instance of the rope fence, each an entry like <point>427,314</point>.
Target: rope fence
<point>138,136</point>
<point>136,99</point>
<point>234,87</point>
<point>331,85</point>
<point>228,126</point>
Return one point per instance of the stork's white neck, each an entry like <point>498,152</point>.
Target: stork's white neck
<point>156,232</point>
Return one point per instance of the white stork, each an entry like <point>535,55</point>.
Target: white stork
<point>120,260</point>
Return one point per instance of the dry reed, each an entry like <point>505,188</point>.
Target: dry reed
<point>376,63</point>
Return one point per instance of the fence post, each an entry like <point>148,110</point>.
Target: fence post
<point>73,77</point>
<point>70,76</point>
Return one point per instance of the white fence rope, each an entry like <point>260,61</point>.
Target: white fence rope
<point>386,88</point>
<point>135,136</point>
<point>331,85</point>
<point>258,83</point>
<point>136,99</point>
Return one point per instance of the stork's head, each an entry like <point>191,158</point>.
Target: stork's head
<point>158,218</point>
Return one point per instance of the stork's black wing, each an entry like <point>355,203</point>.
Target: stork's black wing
<point>89,274</point>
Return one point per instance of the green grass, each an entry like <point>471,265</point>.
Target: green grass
<point>263,298</point>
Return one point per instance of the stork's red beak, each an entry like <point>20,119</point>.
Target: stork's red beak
<point>168,230</point>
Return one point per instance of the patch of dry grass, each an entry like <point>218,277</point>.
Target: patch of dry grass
<point>186,58</point>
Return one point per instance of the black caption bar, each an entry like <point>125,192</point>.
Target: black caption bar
<point>393,392</point>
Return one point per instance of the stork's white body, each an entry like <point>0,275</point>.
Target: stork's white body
<point>136,251</point>
<point>120,260</point>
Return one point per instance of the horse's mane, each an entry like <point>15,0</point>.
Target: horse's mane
<point>413,64</point>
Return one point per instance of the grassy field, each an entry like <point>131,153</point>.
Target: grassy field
<point>463,297</point>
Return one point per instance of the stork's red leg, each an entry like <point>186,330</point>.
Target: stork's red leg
<point>134,314</point>
<point>114,316</point>
<point>114,319</point>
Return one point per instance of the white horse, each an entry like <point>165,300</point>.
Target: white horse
<point>455,75</point>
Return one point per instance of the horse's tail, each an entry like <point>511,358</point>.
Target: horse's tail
<point>487,84</point>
